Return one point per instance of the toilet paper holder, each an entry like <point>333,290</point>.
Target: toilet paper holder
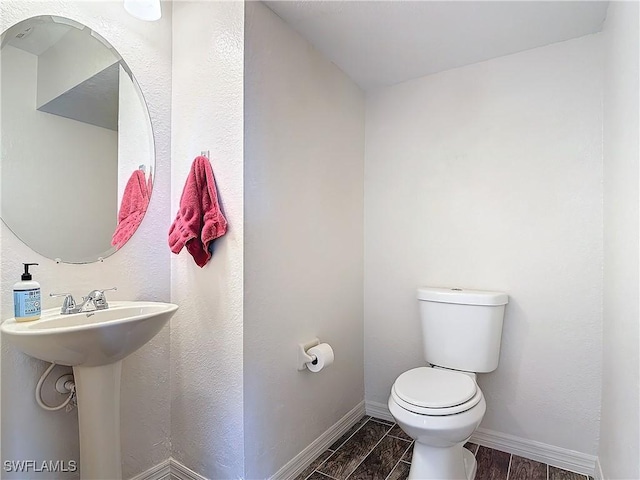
<point>303,356</point>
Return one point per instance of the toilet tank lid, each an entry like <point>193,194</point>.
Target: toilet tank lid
<point>462,296</point>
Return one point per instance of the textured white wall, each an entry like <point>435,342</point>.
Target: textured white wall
<point>620,423</point>
<point>304,151</point>
<point>206,333</point>
<point>490,176</point>
<point>140,269</point>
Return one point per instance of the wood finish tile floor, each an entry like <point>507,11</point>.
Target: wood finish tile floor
<point>375,449</point>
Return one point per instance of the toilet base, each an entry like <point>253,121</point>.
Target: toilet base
<point>435,463</point>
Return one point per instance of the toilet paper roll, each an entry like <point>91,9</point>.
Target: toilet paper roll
<point>324,357</point>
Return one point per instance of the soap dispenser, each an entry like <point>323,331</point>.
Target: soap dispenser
<point>26,297</point>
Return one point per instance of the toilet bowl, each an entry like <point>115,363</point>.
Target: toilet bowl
<point>440,410</point>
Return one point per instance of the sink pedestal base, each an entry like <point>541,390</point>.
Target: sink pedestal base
<point>98,395</point>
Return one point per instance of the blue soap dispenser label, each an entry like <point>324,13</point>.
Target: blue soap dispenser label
<point>26,302</point>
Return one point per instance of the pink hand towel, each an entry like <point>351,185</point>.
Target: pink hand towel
<point>199,220</point>
<point>135,201</point>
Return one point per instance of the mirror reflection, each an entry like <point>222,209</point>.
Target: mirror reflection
<point>77,164</point>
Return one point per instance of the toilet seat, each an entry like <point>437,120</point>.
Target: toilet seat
<point>430,391</point>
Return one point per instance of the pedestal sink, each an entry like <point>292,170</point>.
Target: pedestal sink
<point>94,344</point>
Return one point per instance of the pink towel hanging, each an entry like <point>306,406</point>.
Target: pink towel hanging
<point>200,219</point>
<point>133,206</point>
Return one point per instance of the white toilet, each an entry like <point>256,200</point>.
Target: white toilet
<point>441,406</point>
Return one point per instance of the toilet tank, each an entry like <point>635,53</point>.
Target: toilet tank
<point>462,329</point>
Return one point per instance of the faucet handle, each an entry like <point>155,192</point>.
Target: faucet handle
<point>99,298</point>
<point>68,305</point>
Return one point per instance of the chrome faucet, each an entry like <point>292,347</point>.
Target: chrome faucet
<point>68,305</point>
<point>95,300</point>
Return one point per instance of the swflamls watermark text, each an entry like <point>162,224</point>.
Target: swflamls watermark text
<point>38,466</point>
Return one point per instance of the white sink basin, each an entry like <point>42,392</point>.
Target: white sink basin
<point>89,339</point>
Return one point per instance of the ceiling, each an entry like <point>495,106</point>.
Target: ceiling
<point>94,96</point>
<point>35,35</point>
<point>381,43</point>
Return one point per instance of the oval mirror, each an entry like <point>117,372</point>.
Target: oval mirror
<point>77,164</point>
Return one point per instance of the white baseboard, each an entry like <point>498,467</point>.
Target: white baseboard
<point>541,452</point>
<point>162,471</point>
<point>173,470</point>
<point>598,475</point>
<point>301,461</point>
<point>180,472</point>
<point>169,470</point>
<point>558,457</point>
<point>379,410</point>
